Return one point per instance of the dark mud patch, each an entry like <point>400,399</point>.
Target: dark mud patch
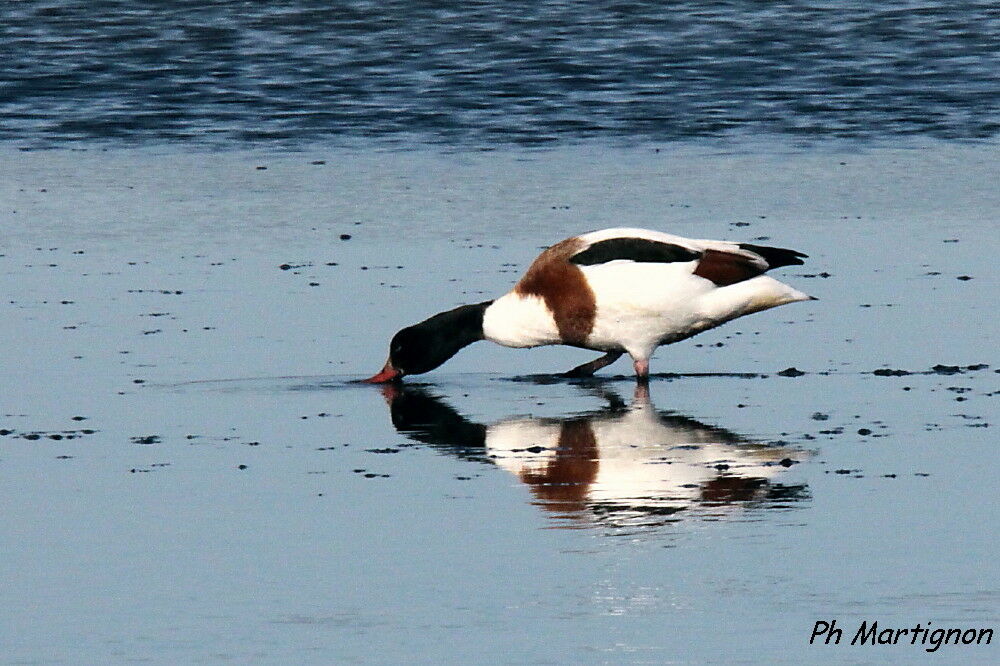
<point>370,475</point>
<point>165,292</point>
<point>57,435</point>
<point>939,369</point>
<point>146,470</point>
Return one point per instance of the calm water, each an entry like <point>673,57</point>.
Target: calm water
<point>187,477</point>
<point>495,73</point>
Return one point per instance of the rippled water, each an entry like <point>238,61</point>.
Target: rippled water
<point>488,73</point>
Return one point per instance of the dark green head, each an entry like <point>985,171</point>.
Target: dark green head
<point>425,346</point>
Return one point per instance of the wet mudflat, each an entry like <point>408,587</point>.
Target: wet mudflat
<point>188,475</point>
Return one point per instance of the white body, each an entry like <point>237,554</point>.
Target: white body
<point>639,305</point>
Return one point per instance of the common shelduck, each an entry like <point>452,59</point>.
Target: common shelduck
<point>621,465</point>
<point>616,291</point>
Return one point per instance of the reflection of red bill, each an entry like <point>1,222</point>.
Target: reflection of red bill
<point>391,391</point>
<point>386,374</point>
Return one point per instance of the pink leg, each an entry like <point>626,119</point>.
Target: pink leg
<point>641,366</point>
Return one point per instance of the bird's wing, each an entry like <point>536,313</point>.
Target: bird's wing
<point>630,248</point>
<point>722,262</point>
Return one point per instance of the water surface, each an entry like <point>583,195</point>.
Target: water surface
<point>188,476</point>
<point>489,74</point>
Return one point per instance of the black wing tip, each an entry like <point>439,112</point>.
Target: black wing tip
<point>776,256</point>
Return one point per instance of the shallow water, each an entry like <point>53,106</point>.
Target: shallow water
<point>188,474</point>
<point>490,74</point>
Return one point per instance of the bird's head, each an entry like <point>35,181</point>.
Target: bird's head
<point>422,347</point>
<point>412,351</point>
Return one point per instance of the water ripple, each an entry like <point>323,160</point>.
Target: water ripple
<point>486,73</point>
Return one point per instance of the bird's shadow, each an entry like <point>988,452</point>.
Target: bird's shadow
<point>598,380</point>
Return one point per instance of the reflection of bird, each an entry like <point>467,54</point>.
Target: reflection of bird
<point>616,291</point>
<point>619,465</point>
